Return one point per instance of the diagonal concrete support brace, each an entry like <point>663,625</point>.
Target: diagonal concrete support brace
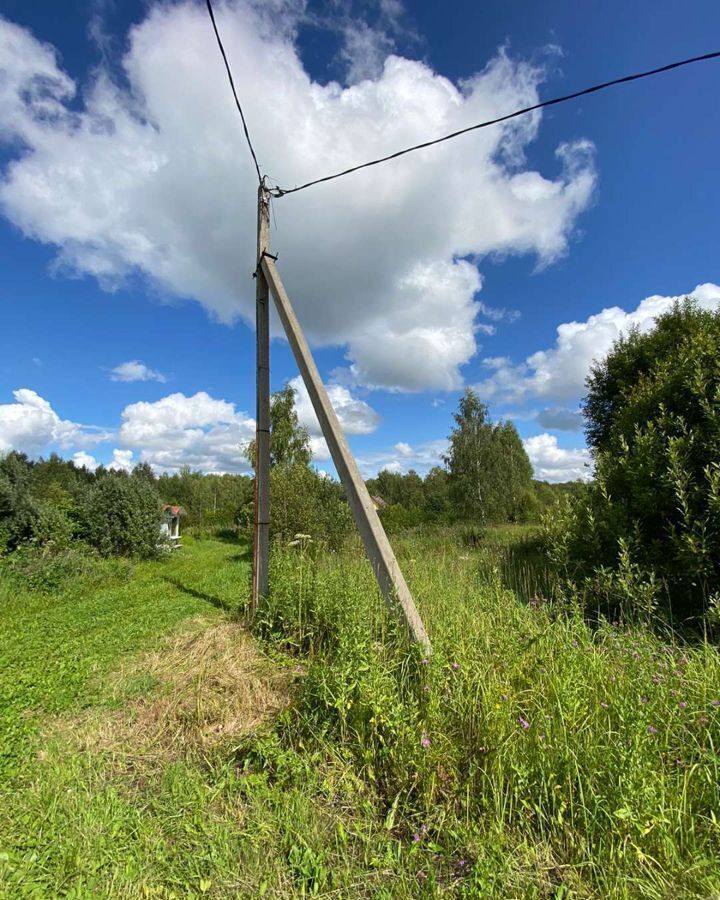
<point>386,568</point>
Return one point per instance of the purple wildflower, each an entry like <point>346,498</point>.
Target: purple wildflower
<point>424,741</point>
<point>523,723</point>
<point>652,729</point>
<point>416,837</point>
<point>455,666</point>
<point>682,704</point>
<point>425,661</point>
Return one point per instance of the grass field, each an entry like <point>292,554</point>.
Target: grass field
<point>152,747</point>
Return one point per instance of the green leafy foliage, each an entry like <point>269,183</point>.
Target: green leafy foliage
<point>210,501</point>
<point>649,525</point>
<point>490,472</point>
<point>306,502</point>
<point>122,515</point>
<point>289,441</point>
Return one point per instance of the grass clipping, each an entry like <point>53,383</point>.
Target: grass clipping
<point>209,687</point>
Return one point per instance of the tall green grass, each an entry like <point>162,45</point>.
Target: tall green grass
<point>532,755</point>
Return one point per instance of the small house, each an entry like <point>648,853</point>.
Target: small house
<point>170,522</point>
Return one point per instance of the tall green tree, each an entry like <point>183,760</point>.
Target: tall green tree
<point>515,473</point>
<point>289,441</point>
<point>490,475</point>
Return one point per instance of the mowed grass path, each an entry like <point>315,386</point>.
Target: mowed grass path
<point>65,830</point>
<point>54,649</point>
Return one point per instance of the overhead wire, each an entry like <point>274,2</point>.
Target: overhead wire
<point>281,192</point>
<point>232,85</point>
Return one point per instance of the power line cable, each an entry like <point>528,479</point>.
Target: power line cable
<point>281,192</point>
<point>232,85</point>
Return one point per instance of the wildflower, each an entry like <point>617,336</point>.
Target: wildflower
<point>416,838</point>
<point>715,703</point>
<point>426,688</point>
<point>656,679</point>
<point>425,661</point>
<point>682,704</point>
<point>643,699</point>
<point>523,723</point>
<point>424,741</point>
<point>604,704</point>
<point>652,729</point>
<point>455,666</point>
<point>575,643</point>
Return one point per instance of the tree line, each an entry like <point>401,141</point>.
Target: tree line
<point>486,478</point>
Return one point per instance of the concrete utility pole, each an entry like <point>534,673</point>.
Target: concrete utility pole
<point>262,412</point>
<point>386,568</point>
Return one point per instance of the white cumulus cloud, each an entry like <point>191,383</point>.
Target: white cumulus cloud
<point>122,460</point>
<point>152,177</point>
<point>558,373</point>
<point>355,415</point>
<point>30,425</point>
<point>197,431</point>
<point>134,370</point>
<point>553,463</point>
<point>84,460</point>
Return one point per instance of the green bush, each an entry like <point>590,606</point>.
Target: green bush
<point>122,516</point>
<point>74,567</point>
<point>18,508</point>
<point>305,502</point>
<point>646,533</point>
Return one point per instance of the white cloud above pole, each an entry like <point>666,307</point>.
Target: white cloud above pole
<point>155,180</point>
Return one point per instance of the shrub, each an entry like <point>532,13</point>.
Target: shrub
<point>18,509</point>
<point>74,567</point>
<point>651,519</point>
<point>303,501</point>
<point>123,516</point>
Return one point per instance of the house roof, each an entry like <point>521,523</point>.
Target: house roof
<point>173,510</point>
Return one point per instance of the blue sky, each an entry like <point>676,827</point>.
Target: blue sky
<point>127,216</point>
